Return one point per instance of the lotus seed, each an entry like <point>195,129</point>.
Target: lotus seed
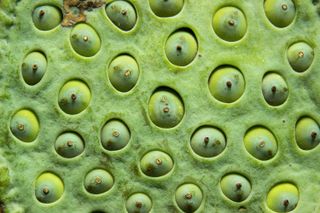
<point>138,203</point>
<point>275,89</point>
<point>300,56</point>
<point>115,135</point>
<point>283,197</point>
<point>74,97</point>
<point>156,164</point>
<point>85,40</point>
<point>280,12</point>
<point>260,143</point>
<point>307,133</point>
<point>33,67</point>
<point>46,17</point>
<point>230,24</point>
<point>69,145</point>
<point>48,188</point>
<point>181,48</point>
<point>122,14</point>
<point>235,187</point>
<point>188,197</point>
<point>98,181</point>
<point>25,125</point>
<point>166,8</point>
<point>226,84</point>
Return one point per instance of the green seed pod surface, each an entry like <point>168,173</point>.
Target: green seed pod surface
<point>33,67</point>
<point>280,12</point>
<point>156,164</point>
<point>115,135</point>
<point>227,84</point>
<point>274,89</point>
<point>166,109</point>
<point>181,48</point>
<point>235,187</point>
<point>48,188</point>
<point>46,17</point>
<point>230,24</point>
<point>69,145</point>
<point>260,143</point>
<point>122,14</point>
<point>25,125</point>
<point>123,73</point>
<point>208,142</point>
<point>85,40</point>
<point>138,203</point>
<point>307,133</point>
<point>300,56</point>
<point>98,181</point>
<point>283,197</point>
<point>166,8</point>
<point>188,197</point>
<point>74,97</point>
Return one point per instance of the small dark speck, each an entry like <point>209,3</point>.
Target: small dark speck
<point>283,121</point>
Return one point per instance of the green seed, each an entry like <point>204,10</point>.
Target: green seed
<point>283,197</point>
<point>69,145</point>
<point>166,8</point>
<point>280,12</point>
<point>122,14</point>
<point>166,109</point>
<point>46,17</point>
<point>123,73</point>
<point>188,197</point>
<point>48,188</point>
<point>208,142</point>
<point>300,56</point>
<point>226,84</point>
<point>274,89</point>
<point>156,164</point>
<point>33,67</point>
<point>307,133</point>
<point>98,181</point>
<point>25,125</point>
<point>235,187</point>
<point>115,135</point>
<point>181,48</point>
<point>138,203</point>
<point>260,143</point>
<point>74,97</point>
<point>85,40</point>
<point>230,24</point>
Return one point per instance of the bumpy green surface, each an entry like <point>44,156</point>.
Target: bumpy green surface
<point>262,49</point>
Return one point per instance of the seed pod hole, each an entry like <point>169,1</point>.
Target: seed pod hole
<point>166,8</point>
<point>274,89</point>
<point>300,56</point>
<point>235,187</point>
<point>138,203</point>
<point>98,181</point>
<point>33,67</point>
<point>69,145</point>
<point>156,163</point>
<point>46,17</point>
<point>280,12</point>
<point>188,197</point>
<point>283,197</point>
<point>122,14</point>
<point>48,188</point>
<point>307,133</point>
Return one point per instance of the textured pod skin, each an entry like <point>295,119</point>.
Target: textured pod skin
<point>300,56</point>
<point>166,8</point>
<point>280,12</point>
<point>188,197</point>
<point>46,17</point>
<point>283,197</point>
<point>122,14</point>
<point>307,133</point>
<point>69,145</point>
<point>274,89</point>
<point>33,67</point>
<point>156,163</point>
<point>235,187</point>
<point>138,203</point>
<point>48,188</point>
<point>98,181</point>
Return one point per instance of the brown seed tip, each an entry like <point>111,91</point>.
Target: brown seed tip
<point>229,84</point>
<point>20,127</point>
<point>262,144</point>
<point>284,6</point>
<point>238,185</point>
<point>313,135</point>
<point>188,196</point>
<point>127,73</point>
<point>138,205</point>
<point>45,190</point>
<point>166,109</point>
<point>286,203</point>
<point>179,48</point>
<point>98,180</point>
<point>158,161</point>
<point>274,89</point>
<point>300,54</point>
<point>73,97</point>
<point>124,12</point>
<point>69,143</point>
<point>115,133</point>
<point>34,67</point>
<point>231,22</point>
<point>41,13</point>
<point>206,140</point>
<point>85,38</point>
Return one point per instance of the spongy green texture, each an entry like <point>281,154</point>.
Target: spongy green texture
<point>262,49</point>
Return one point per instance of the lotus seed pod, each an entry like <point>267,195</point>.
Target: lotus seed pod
<point>166,8</point>
<point>69,145</point>
<point>283,197</point>
<point>226,84</point>
<point>85,40</point>
<point>74,97</point>
<point>33,67</point>
<point>25,125</point>
<point>260,143</point>
<point>156,164</point>
<point>115,135</point>
<point>122,14</point>
<point>275,89</point>
<point>307,133</point>
<point>48,188</point>
<point>208,142</point>
<point>188,197</point>
<point>98,181</point>
<point>123,73</point>
<point>46,17</point>
<point>166,109</point>
<point>138,203</point>
<point>181,48</point>
<point>230,24</point>
<point>300,56</point>
<point>280,12</point>
<point>235,187</point>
